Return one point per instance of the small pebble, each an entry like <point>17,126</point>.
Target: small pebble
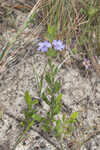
<point>42,145</point>
<point>36,148</point>
<point>98,102</point>
<point>37,137</point>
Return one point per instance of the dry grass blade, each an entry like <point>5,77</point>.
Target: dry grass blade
<point>9,44</point>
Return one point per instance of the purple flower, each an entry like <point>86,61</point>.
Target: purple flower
<point>86,63</point>
<point>58,45</point>
<point>43,46</point>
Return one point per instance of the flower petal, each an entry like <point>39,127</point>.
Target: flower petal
<point>58,45</point>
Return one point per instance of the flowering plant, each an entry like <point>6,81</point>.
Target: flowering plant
<point>43,46</point>
<point>50,122</point>
<point>51,46</point>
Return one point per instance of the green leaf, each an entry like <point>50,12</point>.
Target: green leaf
<point>50,34</point>
<point>49,90</point>
<point>58,99</point>
<point>51,52</point>
<point>63,117</point>
<point>30,125</point>
<point>22,124</point>
<point>56,86</point>
<point>44,97</point>
<point>58,128</point>
<point>55,71</point>
<point>72,118</point>
<point>48,78</point>
<point>28,100</point>
<point>26,114</point>
<point>35,101</point>
<point>57,104</point>
<point>48,113</point>
<point>74,51</point>
<point>45,128</point>
<point>92,11</point>
<point>46,125</point>
<point>58,123</point>
<point>74,115</point>
<point>51,29</point>
<point>56,110</point>
<point>49,37</point>
<point>36,117</point>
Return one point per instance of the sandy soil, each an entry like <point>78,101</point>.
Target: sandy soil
<point>79,94</point>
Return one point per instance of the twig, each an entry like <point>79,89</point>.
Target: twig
<point>91,137</point>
